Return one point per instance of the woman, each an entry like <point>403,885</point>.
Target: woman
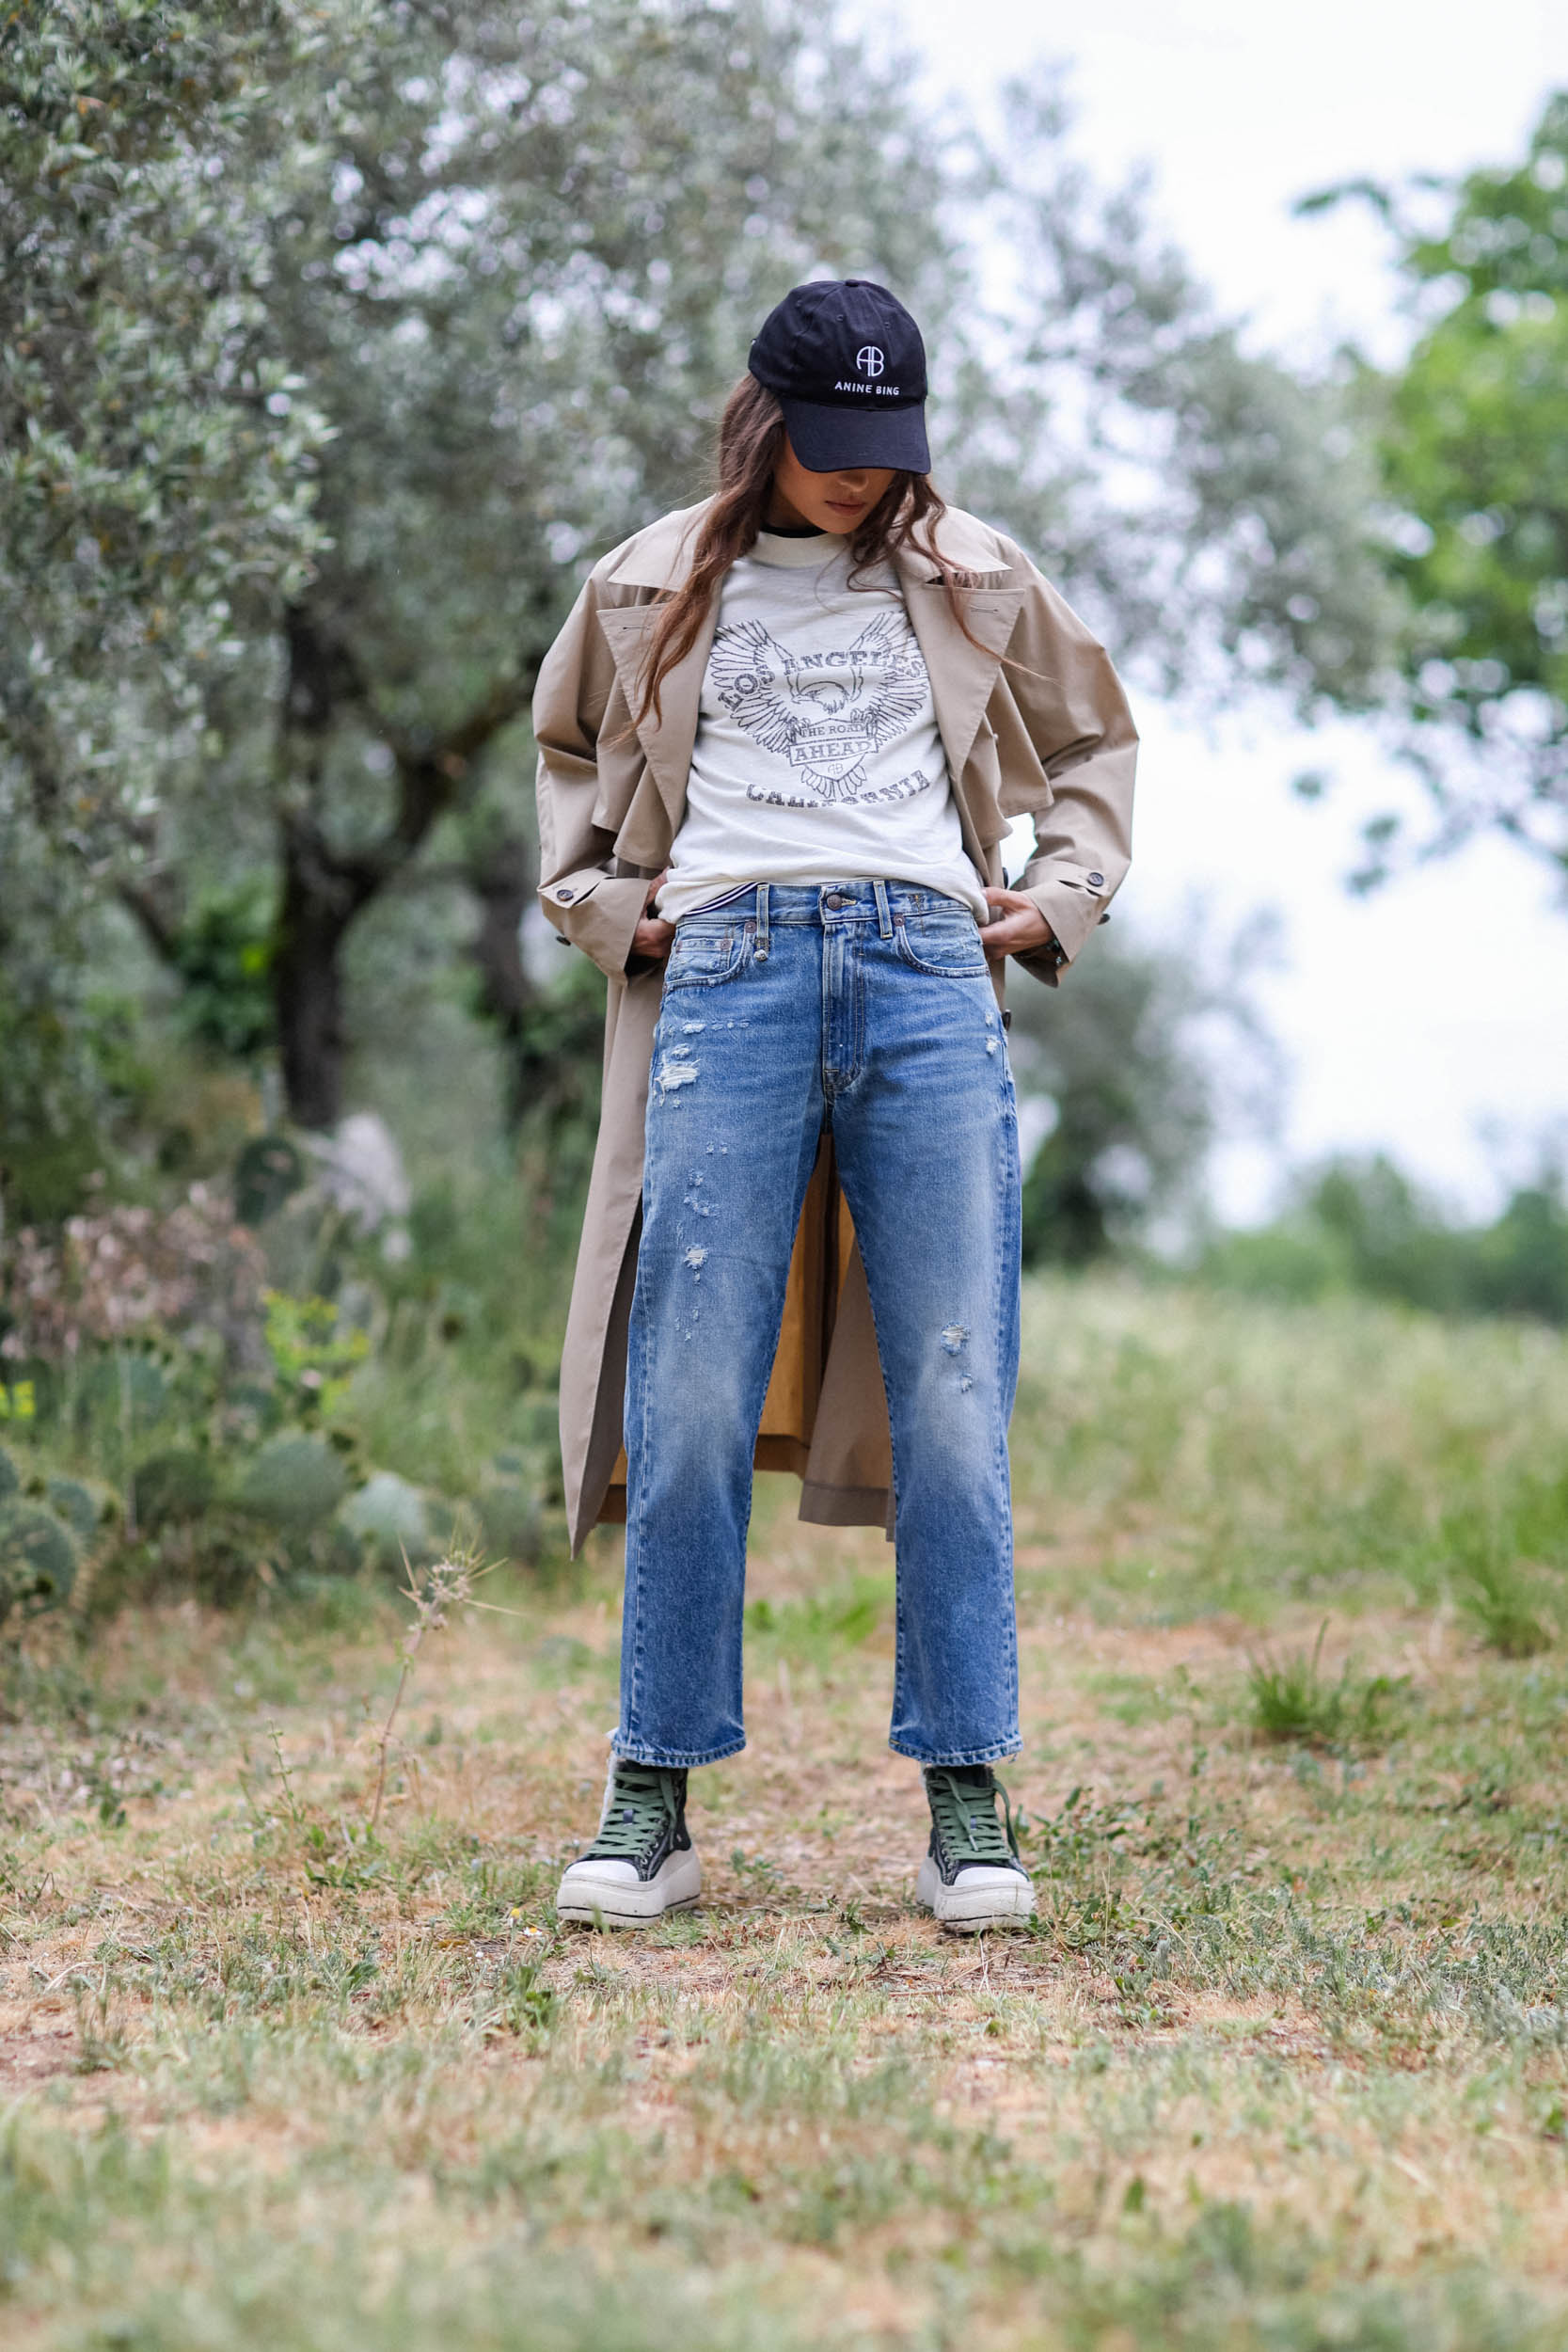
<point>782,737</point>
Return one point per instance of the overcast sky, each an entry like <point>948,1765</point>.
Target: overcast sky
<point>1434,1019</point>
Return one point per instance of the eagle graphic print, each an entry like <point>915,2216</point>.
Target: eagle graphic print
<point>818,755</point>
<point>823,714</point>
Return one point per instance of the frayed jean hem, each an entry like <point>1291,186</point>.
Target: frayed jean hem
<point>672,1760</point>
<point>996,1753</point>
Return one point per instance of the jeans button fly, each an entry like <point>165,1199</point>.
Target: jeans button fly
<point>833,901</point>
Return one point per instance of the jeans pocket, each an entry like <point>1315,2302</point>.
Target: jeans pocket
<point>705,954</point>
<point>947,947</point>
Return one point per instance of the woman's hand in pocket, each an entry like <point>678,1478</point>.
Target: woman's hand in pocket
<point>1016,925</point>
<point>653,939</point>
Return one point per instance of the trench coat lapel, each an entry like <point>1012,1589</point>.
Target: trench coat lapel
<point>668,738</point>
<point>656,562</point>
<point>963,674</point>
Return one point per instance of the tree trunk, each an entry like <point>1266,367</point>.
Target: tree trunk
<point>324,889</point>
<point>501,878</point>
<point>321,897</point>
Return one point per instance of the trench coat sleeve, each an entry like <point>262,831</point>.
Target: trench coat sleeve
<point>579,889</point>
<point>1075,713</point>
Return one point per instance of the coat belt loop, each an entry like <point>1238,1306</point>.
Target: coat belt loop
<point>762,922</point>
<point>884,920</point>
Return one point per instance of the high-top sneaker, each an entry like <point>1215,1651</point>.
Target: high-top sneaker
<point>642,1862</point>
<point>971,1876</point>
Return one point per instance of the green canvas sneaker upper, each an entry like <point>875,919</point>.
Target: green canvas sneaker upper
<point>645,1817</point>
<point>965,1829</point>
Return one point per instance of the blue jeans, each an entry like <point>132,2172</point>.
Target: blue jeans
<point>866,1008</point>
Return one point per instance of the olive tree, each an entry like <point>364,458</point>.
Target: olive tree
<point>1469,440</point>
<point>156,457</point>
<point>439,299</point>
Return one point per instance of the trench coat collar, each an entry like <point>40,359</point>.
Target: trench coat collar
<point>962,673</point>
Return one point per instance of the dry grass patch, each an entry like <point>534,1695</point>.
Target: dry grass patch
<point>1284,2063</point>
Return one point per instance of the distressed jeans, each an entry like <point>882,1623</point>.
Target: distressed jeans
<point>866,1008</point>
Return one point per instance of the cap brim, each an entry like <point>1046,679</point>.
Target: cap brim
<point>829,440</point>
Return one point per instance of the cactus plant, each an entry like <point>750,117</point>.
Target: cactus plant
<point>388,1518</point>
<point>38,1558</point>
<point>294,1483</point>
<point>179,1484</point>
<point>83,1504</point>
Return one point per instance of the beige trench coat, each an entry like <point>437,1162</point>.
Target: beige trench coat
<point>1045,734</point>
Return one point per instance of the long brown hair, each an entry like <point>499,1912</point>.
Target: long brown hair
<point>751,439</point>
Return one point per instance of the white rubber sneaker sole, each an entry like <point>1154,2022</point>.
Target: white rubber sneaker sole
<point>980,1898</point>
<point>610,1894</point>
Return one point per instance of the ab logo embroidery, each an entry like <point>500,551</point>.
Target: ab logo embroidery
<point>869,359</point>
<point>824,714</point>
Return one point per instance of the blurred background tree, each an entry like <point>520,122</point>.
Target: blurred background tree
<point>486,273</point>
<point>1360,1225</point>
<point>1147,1058</point>
<point>1471,438</point>
<point>503,259</point>
<point>1206,505</point>
<point>155,457</point>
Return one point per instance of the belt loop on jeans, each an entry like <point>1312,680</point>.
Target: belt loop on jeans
<point>762,922</point>
<point>884,920</point>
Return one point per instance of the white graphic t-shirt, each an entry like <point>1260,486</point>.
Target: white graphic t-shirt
<point>818,756</point>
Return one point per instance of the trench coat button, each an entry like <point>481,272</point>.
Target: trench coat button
<point>1097,882</point>
<point>566,896</point>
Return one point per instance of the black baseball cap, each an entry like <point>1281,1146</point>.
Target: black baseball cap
<point>848,367</point>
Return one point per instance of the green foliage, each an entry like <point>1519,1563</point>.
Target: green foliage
<point>810,1630</point>
<point>18,1402</point>
<point>1142,1058</point>
<point>1293,1699</point>
<point>1510,1560</point>
<point>223,952</point>
<point>344,336</point>
<point>84,1508</point>
<point>517,314</point>
<point>167,1455</point>
<point>1304,1453</point>
<point>124,1393</point>
<point>1522,1260</point>
<point>1362,1225</point>
<point>269,1169</point>
<point>1116,425</point>
<point>525,2004</point>
<point>392,1521</point>
<point>558,1055</point>
<point>38,1558</point>
<point>177,1485</point>
<point>157,466</point>
<point>1475,473</point>
<point>70,1071</point>
<point>1504,1602</point>
<point>509,1519</point>
<point>313,1358</point>
<point>294,1483</point>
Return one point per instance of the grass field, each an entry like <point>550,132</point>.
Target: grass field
<point>1284,2063</point>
